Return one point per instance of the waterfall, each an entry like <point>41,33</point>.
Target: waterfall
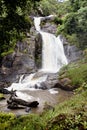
<point>37,22</point>
<point>53,58</point>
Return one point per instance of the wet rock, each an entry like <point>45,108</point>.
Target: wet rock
<point>14,102</point>
<point>65,81</point>
<point>52,79</point>
<point>71,51</point>
<point>43,86</point>
<point>8,60</point>
<point>4,91</point>
<point>19,62</point>
<point>48,107</point>
<point>38,51</point>
<point>27,109</point>
<point>49,27</point>
<point>4,84</point>
<point>50,17</point>
<point>65,85</point>
<point>12,105</point>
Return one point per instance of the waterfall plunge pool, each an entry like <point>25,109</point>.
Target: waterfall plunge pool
<point>49,97</point>
<point>53,58</point>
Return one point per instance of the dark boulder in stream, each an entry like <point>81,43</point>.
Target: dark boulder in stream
<point>14,103</point>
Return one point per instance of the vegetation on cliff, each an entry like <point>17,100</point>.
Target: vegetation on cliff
<point>72,14</point>
<point>14,22</point>
<point>74,24</point>
<point>76,72</point>
<point>71,19</point>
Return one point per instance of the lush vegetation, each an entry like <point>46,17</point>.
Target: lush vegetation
<point>49,7</point>
<point>76,72</point>
<point>71,18</point>
<point>69,115</point>
<point>74,25</point>
<point>73,15</point>
<point>14,22</point>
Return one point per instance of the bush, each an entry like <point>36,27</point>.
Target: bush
<point>76,72</point>
<point>6,120</point>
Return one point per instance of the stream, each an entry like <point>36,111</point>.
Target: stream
<point>30,88</point>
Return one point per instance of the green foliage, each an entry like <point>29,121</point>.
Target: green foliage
<point>85,54</point>
<point>1,96</point>
<point>72,39</point>
<point>6,120</point>
<point>75,5</point>
<point>30,122</point>
<point>60,29</point>
<point>71,114</point>
<point>14,21</point>
<point>70,23</point>
<point>54,7</point>
<point>74,25</point>
<point>49,7</point>
<point>68,122</point>
<point>63,8</point>
<point>78,75</point>
<point>76,72</point>
<point>57,20</point>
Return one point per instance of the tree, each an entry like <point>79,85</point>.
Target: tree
<point>14,21</point>
<point>74,25</point>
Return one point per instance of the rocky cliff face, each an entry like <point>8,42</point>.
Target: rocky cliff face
<point>21,61</point>
<point>71,51</point>
<point>27,56</point>
<point>38,51</point>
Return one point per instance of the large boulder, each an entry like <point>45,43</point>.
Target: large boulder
<point>65,84</point>
<point>21,61</point>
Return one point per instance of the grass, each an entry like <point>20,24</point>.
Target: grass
<point>78,75</point>
<point>1,96</point>
<point>77,72</point>
<point>71,113</point>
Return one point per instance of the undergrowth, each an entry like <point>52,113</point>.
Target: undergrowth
<point>77,72</point>
<point>69,115</point>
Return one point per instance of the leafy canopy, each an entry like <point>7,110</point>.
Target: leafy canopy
<point>14,21</point>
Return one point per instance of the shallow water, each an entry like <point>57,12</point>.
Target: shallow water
<point>50,97</point>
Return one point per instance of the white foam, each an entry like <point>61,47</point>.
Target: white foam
<point>53,91</point>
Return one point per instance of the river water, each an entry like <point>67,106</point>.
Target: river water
<point>53,58</point>
<point>44,97</point>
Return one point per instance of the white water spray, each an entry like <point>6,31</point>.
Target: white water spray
<point>37,21</point>
<point>53,58</point>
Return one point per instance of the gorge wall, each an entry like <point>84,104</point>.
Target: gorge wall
<point>27,55</point>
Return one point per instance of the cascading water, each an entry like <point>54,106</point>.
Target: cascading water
<point>53,58</point>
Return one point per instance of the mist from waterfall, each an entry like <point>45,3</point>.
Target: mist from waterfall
<point>53,58</point>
